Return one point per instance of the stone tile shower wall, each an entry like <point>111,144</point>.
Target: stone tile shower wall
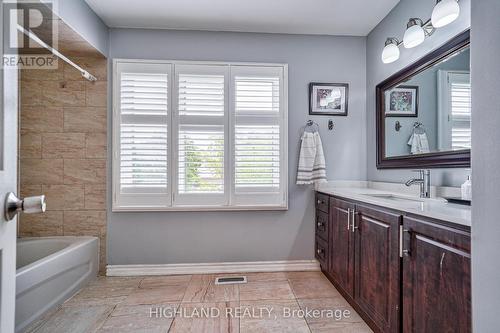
<point>63,150</point>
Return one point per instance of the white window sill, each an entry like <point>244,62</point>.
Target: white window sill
<point>199,209</point>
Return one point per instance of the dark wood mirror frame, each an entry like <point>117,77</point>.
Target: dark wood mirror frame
<point>448,159</point>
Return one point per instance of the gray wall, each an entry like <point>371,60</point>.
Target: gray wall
<point>158,238</point>
<point>393,26</point>
<point>485,164</point>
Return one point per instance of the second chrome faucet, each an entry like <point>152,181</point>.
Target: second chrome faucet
<point>424,181</point>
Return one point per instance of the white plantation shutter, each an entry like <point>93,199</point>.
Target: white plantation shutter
<point>258,135</point>
<point>143,157</point>
<point>460,102</point>
<point>257,157</point>
<point>199,136</point>
<point>201,94</point>
<point>142,148</point>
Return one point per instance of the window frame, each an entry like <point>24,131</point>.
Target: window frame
<point>444,102</point>
<point>143,200</point>
<point>253,198</point>
<point>171,202</point>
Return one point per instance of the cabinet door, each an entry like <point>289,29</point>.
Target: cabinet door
<point>377,266</point>
<point>341,245</point>
<point>436,278</point>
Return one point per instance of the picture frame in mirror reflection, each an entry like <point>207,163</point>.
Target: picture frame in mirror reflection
<point>402,101</point>
<point>328,99</point>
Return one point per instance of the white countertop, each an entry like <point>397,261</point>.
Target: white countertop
<point>401,199</point>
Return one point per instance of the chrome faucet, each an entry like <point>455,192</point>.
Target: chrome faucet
<point>424,181</point>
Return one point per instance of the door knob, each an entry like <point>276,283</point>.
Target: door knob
<point>29,205</point>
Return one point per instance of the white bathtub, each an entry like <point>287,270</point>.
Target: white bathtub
<point>49,271</point>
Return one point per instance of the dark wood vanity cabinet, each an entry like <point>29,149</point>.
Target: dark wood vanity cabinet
<point>341,242</point>
<point>401,273</point>
<point>322,229</point>
<point>377,265</point>
<point>436,278</point>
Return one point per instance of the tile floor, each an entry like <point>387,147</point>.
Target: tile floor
<point>269,302</point>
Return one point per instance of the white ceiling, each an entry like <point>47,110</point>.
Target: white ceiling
<point>322,17</point>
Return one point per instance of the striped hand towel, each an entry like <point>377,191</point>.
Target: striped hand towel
<point>312,168</point>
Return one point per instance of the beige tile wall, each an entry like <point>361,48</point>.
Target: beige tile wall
<point>63,150</point>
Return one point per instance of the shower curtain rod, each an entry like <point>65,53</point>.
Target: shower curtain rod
<point>55,52</point>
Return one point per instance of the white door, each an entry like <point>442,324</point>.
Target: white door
<point>8,183</point>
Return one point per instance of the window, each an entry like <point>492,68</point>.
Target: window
<point>141,138</point>
<point>257,144</point>
<point>454,110</point>
<point>460,101</point>
<point>190,136</point>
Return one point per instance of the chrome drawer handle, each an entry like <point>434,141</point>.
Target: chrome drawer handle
<point>402,251</point>
<point>320,251</point>
<point>348,219</point>
<point>354,227</point>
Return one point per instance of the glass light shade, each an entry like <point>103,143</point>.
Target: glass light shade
<point>390,53</point>
<point>414,36</point>
<point>445,12</point>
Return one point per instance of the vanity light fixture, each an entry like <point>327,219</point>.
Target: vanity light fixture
<point>445,12</point>
<point>414,34</point>
<point>391,50</point>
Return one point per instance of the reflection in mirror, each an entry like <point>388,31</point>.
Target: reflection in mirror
<point>2,41</point>
<point>431,111</point>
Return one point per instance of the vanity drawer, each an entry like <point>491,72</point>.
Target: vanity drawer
<point>322,253</point>
<point>322,225</point>
<point>322,202</point>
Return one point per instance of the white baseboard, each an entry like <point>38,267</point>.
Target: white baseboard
<point>211,268</point>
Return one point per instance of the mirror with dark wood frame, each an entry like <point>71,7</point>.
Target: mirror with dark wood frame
<point>424,111</point>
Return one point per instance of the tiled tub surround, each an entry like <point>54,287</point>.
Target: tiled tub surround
<point>123,304</point>
<point>63,150</point>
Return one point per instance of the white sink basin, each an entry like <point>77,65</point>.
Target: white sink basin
<point>396,198</point>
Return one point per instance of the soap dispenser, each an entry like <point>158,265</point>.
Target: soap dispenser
<point>467,189</point>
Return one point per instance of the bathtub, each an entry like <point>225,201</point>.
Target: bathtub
<point>49,271</point>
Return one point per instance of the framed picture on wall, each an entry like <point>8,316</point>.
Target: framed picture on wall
<point>401,101</point>
<point>328,99</point>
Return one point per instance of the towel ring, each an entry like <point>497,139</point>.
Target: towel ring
<point>310,123</point>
